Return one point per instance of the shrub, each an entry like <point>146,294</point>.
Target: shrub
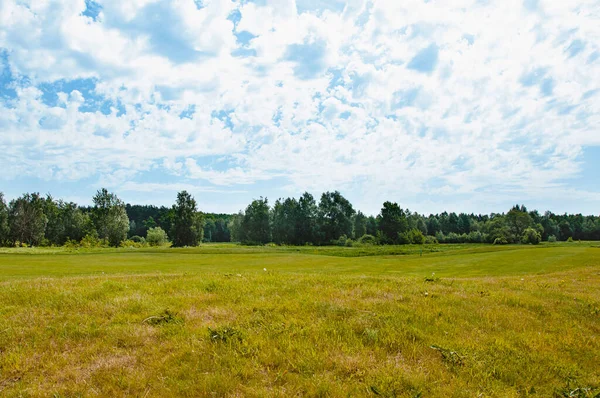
<point>137,239</point>
<point>431,240</point>
<point>403,238</point>
<point>440,237</point>
<point>414,236</point>
<point>552,238</point>
<point>367,240</point>
<point>156,236</point>
<point>500,241</point>
<point>71,243</point>
<point>570,239</point>
<point>475,237</point>
<point>130,243</point>
<point>531,236</point>
<point>343,241</point>
<point>455,238</point>
<point>91,240</point>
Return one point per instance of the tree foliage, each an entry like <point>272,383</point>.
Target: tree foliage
<point>531,236</point>
<point>34,220</point>
<point>156,236</point>
<point>392,222</point>
<point>27,220</point>
<point>187,222</point>
<point>335,217</point>
<point>109,217</point>
<point>4,227</point>
<point>255,225</point>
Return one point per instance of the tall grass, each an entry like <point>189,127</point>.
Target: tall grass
<point>174,324</point>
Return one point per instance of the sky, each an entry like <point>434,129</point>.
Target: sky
<point>458,105</point>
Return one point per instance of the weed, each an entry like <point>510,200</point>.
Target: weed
<point>432,278</point>
<point>448,356</point>
<point>211,287</point>
<point>166,317</point>
<point>569,391</point>
<point>224,334</point>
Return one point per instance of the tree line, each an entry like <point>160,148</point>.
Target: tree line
<point>333,220</point>
<point>35,220</point>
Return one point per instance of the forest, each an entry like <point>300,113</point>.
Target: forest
<point>36,220</point>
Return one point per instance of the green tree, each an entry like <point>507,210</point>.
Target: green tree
<point>413,236</point>
<point>392,222</point>
<point>306,219</point>
<point>222,233</point>
<point>531,236</point>
<point>187,223</point>
<point>4,228</point>
<point>419,222</point>
<point>110,217</point>
<point>360,225</point>
<point>156,236</point>
<point>283,217</point>
<point>433,225</point>
<point>65,221</point>
<point>452,223</point>
<point>565,230</point>
<point>372,226</point>
<point>256,226</point>
<point>463,225</point>
<point>518,220</point>
<point>496,228</point>
<point>235,227</point>
<point>335,217</point>
<point>27,220</point>
<point>209,229</point>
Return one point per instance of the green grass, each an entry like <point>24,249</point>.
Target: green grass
<point>508,321</point>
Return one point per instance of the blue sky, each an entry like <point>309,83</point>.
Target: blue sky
<point>466,105</point>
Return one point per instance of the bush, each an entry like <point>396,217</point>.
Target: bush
<point>71,244</point>
<point>475,237</point>
<point>403,238</point>
<point>552,238</point>
<point>156,236</point>
<point>137,239</point>
<point>440,237</point>
<point>343,241</point>
<point>431,240</point>
<point>455,238</point>
<point>570,239</point>
<point>130,243</point>
<point>531,236</point>
<point>500,241</point>
<point>414,236</point>
<point>91,240</point>
<point>367,240</point>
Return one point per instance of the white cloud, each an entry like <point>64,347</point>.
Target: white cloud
<point>323,100</point>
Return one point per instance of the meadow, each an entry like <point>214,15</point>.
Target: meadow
<point>227,320</point>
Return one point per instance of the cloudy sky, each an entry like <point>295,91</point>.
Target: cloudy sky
<point>464,105</point>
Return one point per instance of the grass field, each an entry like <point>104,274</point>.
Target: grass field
<point>433,321</point>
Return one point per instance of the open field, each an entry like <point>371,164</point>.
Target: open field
<point>507,321</point>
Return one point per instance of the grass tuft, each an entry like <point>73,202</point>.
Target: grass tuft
<point>224,335</point>
<point>166,317</point>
